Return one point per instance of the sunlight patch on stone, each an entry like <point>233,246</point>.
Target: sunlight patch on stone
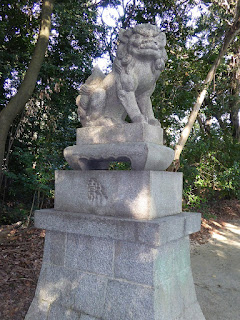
<point>141,203</point>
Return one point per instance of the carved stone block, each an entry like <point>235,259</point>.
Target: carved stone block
<point>141,155</point>
<point>136,143</point>
<point>156,232</point>
<point>127,132</point>
<point>133,194</point>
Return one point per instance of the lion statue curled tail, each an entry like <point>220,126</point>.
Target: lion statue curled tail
<point>106,99</point>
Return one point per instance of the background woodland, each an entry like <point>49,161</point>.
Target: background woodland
<point>47,50</point>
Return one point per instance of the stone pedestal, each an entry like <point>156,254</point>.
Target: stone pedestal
<point>108,268</point>
<point>117,245</point>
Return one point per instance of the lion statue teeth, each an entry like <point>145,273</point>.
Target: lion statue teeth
<point>106,100</point>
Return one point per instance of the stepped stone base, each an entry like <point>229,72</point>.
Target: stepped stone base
<point>111,268</point>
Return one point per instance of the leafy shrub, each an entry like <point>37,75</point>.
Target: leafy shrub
<point>211,170</point>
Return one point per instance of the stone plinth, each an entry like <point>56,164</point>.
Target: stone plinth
<point>141,155</point>
<point>108,268</point>
<point>122,133</point>
<point>132,194</point>
<point>140,144</point>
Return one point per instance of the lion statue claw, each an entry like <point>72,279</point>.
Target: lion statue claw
<point>106,100</point>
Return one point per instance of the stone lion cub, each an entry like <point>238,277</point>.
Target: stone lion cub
<point>106,99</point>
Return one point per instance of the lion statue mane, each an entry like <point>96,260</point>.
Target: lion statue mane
<point>107,99</point>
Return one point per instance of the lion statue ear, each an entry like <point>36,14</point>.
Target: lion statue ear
<point>123,39</point>
<point>124,35</point>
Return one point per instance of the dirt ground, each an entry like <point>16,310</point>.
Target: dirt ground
<point>215,257</point>
<point>21,253</point>
<point>216,273</point>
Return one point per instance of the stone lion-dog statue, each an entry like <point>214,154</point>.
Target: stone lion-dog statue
<point>106,100</point>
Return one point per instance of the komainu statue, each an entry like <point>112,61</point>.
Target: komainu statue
<point>106,100</point>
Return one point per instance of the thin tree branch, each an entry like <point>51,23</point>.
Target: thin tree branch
<point>126,21</point>
<point>229,37</point>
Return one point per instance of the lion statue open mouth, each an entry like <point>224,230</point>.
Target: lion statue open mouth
<point>106,100</point>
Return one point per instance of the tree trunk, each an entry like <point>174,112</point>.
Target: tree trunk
<point>229,37</point>
<point>234,112</point>
<point>234,104</point>
<point>18,102</point>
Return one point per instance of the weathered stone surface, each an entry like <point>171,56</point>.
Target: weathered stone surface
<point>121,133</point>
<point>173,258</point>
<point>134,194</point>
<point>176,295</point>
<point>116,268</point>
<point>168,301</point>
<point>138,263</point>
<point>106,100</point>
<point>186,288</point>
<point>192,222</point>
<point>162,230</point>
<point>86,317</point>
<point>181,254</point>
<point>134,262</point>
<point>54,248</point>
<point>141,155</point>
<point>76,290</point>
<point>38,310</point>
<point>194,312</point>
<point>58,312</point>
<point>154,232</point>
<point>89,254</point>
<point>128,301</point>
<point>55,284</point>
<point>90,293</point>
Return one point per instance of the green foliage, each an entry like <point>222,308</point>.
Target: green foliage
<point>120,166</point>
<point>34,175</point>
<point>210,161</point>
<point>211,169</point>
<point>49,122</point>
<point>12,212</point>
<point>18,24</point>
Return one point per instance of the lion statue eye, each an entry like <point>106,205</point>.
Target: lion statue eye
<point>137,36</point>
